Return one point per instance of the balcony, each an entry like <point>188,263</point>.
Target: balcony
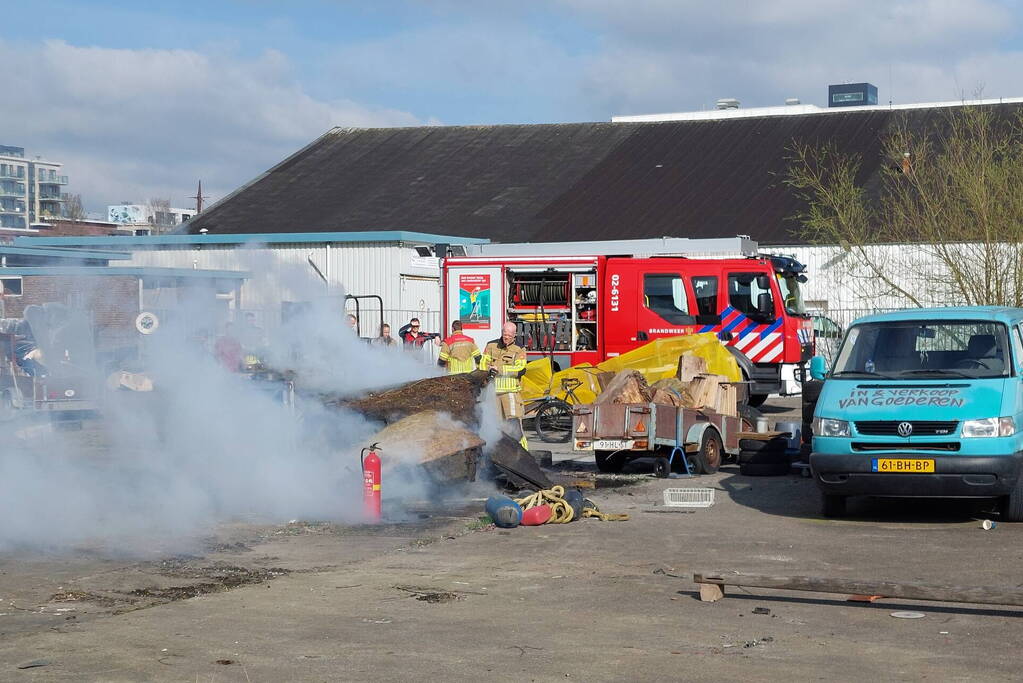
<point>52,198</point>
<point>53,180</point>
<point>12,191</point>
<point>13,173</point>
<point>16,209</point>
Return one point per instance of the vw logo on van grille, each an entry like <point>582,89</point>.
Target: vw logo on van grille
<point>905,429</point>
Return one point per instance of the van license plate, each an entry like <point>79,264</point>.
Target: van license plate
<point>612,444</point>
<point>911,465</point>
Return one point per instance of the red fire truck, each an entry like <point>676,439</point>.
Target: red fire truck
<point>587,301</point>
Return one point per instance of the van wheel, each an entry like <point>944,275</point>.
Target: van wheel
<point>709,457</point>
<point>833,506</point>
<point>1012,504</point>
<point>609,462</point>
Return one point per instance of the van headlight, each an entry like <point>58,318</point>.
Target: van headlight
<point>825,426</point>
<point>989,426</point>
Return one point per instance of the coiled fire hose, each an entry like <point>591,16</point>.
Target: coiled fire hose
<point>561,511</point>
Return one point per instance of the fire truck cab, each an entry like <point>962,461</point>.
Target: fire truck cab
<point>583,302</point>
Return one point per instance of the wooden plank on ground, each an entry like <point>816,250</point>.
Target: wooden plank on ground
<point>978,595</point>
<point>758,436</point>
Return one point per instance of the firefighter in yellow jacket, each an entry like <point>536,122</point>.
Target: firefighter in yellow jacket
<point>458,352</point>
<point>506,361</point>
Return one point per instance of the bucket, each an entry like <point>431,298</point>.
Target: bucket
<point>796,431</point>
<point>761,424</point>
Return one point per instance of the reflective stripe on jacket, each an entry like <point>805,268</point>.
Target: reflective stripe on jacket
<point>459,353</point>
<point>510,363</point>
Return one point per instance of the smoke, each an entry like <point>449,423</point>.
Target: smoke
<point>208,444</point>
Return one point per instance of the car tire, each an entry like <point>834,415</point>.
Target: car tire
<point>609,462</point>
<point>832,505</point>
<point>763,457</point>
<point>711,454</point>
<point>755,469</point>
<point>756,445</point>
<point>1011,507</point>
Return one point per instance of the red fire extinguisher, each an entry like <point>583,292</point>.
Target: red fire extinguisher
<point>371,483</point>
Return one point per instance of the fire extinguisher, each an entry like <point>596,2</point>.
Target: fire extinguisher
<point>371,483</point>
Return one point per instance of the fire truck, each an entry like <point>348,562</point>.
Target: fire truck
<point>583,302</point>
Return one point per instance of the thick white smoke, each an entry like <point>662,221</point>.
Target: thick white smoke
<point>207,445</point>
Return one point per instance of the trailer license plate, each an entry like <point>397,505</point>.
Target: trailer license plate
<point>903,465</point>
<point>612,444</point>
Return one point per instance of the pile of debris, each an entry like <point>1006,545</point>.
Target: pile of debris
<point>433,423</point>
<point>692,387</point>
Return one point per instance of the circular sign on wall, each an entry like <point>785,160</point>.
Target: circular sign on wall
<point>147,322</point>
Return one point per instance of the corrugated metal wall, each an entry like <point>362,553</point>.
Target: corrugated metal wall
<point>282,272</point>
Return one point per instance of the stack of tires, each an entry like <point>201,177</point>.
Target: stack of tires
<point>765,458</point>
<point>811,392</point>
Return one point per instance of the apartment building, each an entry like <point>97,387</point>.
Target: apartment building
<point>30,190</point>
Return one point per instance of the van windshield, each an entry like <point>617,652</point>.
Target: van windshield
<point>925,349</point>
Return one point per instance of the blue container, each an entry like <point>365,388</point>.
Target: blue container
<point>505,512</point>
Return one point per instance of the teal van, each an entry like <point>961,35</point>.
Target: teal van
<point>923,403</point>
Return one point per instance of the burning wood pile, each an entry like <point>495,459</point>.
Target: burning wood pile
<point>434,423</point>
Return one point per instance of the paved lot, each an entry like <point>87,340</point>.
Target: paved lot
<point>441,598</point>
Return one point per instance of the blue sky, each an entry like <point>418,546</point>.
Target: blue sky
<point>141,99</point>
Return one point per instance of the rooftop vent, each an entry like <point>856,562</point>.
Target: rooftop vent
<point>791,101</point>
<point>727,103</point>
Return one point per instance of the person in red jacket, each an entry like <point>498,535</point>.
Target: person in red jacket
<point>413,338</point>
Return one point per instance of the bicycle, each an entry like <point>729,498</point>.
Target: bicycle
<point>553,419</point>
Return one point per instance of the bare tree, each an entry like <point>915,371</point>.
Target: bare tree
<point>73,208</point>
<point>160,215</point>
<point>943,221</point>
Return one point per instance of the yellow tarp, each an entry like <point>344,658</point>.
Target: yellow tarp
<point>656,360</point>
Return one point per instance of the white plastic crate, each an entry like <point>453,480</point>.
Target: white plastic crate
<point>689,498</point>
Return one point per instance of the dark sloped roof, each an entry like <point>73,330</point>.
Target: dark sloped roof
<point>564,182</point>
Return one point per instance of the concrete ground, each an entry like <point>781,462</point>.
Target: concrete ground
<point>444,597</point>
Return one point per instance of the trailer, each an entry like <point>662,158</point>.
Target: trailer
<point>618,432</point>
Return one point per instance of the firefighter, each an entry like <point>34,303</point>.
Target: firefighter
<point>458,352</point>
<point>506,362</point>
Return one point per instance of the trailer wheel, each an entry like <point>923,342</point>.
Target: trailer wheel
<point>711,453</point>
<point>609,462</point>
<point>662,467</point>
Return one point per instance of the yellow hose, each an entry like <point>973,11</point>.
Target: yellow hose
<point>561,511</point>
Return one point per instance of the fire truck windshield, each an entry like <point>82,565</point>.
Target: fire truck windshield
<point>791,294</point>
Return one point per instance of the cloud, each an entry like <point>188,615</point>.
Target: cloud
<point>133,124</point>
<point>669,55</point>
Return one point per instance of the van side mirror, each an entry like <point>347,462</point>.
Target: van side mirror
<point>818,367</point>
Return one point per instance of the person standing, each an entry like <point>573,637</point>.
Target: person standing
<point>413,338</point>
<point>506,362</point>
<point>458,352</point>
<point>385,338</point>
<point>228,349</point>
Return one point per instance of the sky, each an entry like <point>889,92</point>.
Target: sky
<point>141,100</point>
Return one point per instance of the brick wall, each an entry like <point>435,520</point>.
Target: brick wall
<point>112,300</point>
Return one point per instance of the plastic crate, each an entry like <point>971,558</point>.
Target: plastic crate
<point>689,498</point>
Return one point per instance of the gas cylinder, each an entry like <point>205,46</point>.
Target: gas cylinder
<point>371,483</point>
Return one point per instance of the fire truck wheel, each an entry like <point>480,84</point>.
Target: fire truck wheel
<point>708,458</point>
<point>756,400</point>
<point>662,468</point>
<point>609,462</point>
